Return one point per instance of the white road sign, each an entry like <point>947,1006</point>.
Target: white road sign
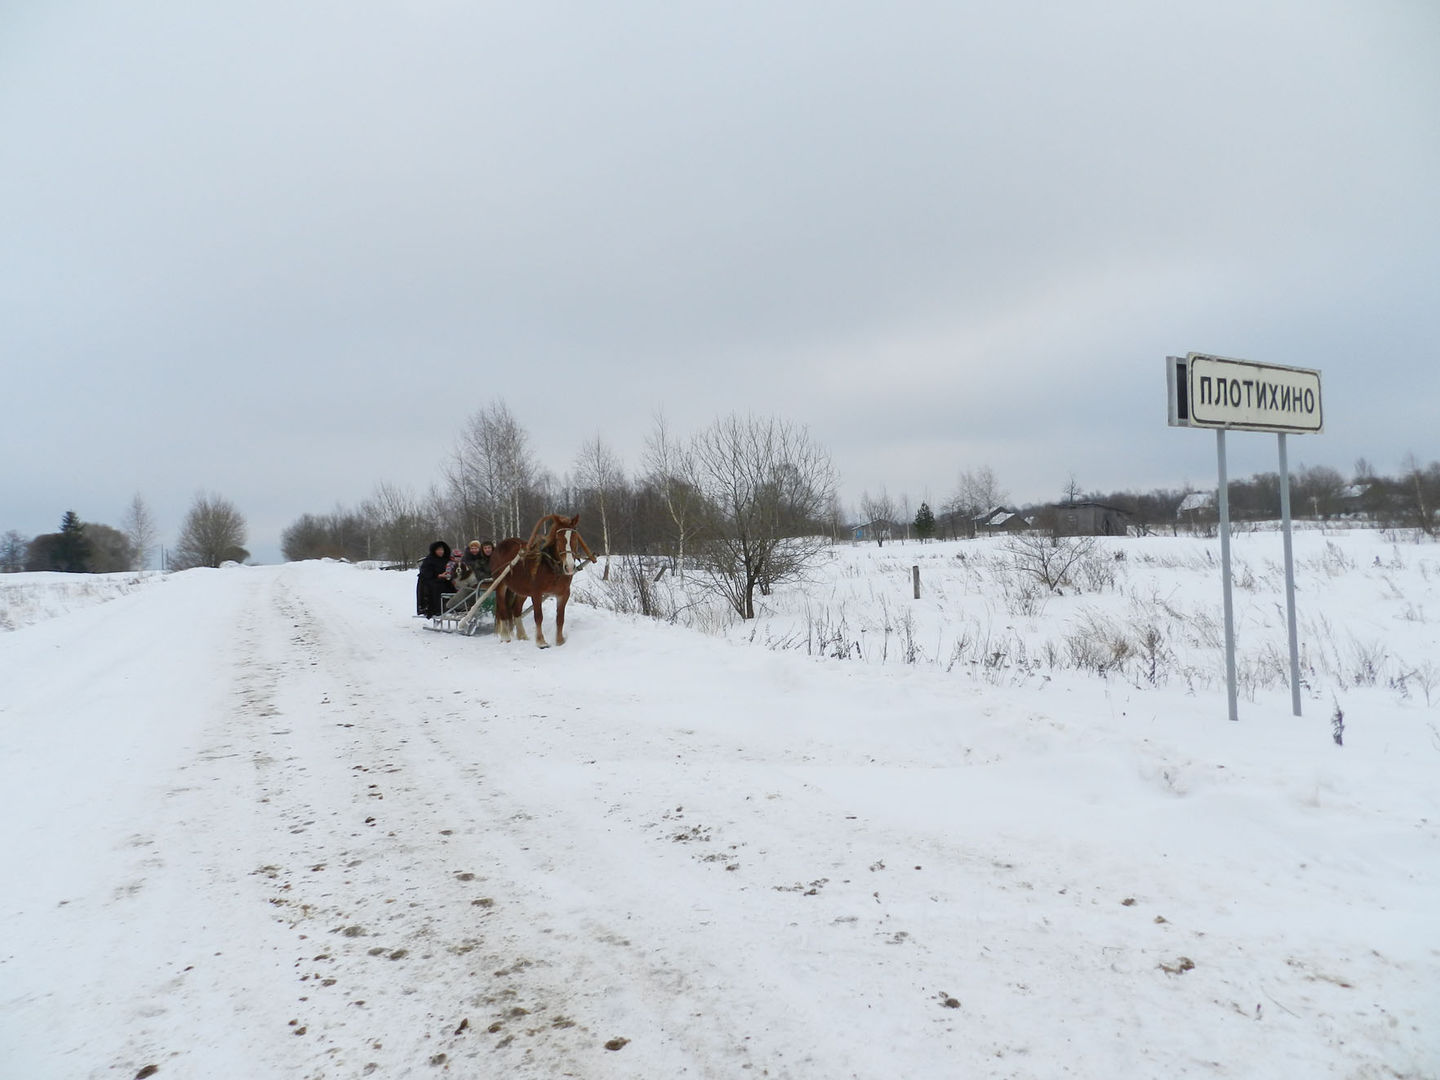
<point>1218,392</point>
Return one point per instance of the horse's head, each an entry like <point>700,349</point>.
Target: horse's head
<point>562,537</point>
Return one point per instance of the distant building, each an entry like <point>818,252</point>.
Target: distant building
<point>1197,508</point>
<point>878,530</point>
<point>1000,520</point>
<point>1090,519</point>
<point>1353,499</point>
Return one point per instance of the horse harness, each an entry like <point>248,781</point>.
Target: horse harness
<point>549,551</point>
<point>537,551</point>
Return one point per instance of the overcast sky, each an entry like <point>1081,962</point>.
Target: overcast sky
<point>280,251</point>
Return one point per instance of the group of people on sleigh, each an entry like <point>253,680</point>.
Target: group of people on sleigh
<point>440,569</point>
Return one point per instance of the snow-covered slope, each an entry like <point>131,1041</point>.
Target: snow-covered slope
<point>26,599</point>
<point>261,824</point>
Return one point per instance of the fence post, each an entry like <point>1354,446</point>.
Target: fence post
<point>915,576</point>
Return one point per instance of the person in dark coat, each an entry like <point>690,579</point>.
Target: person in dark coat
<point>432,585</point>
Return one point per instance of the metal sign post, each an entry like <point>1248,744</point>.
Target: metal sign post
<point>1226,394</point>
<point>1231,696</point>
<point>1289,578</point>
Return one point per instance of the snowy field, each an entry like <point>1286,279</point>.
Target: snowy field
<point>262,824</point>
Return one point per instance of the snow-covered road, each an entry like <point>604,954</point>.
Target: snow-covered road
<point>262,824</point>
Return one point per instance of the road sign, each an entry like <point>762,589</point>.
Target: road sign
<point>1238,395</point>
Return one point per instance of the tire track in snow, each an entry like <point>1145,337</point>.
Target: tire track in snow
<point>406,883</point>
<point>393,964</point>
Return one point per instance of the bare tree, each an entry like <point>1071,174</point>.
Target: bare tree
<point>212,532</point>
<point>1072,490</point>
<point>981,489</point>
<point>975,493</point>
<point>767,488</point>
<point>1319,488</point>
<point>401,527</point>
<point>879,514</point>
<point>668,469</point>
<point>12,552</point>
<point>111,551</point>
<point>836,519</point>
<point>1048,559</point>
<point>491,472</point>
<point>1419,491</point>
<point>138,525</point>
<point>306,538</point>
<point>598,470</point>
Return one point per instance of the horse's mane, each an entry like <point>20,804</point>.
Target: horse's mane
<point>550,523</point>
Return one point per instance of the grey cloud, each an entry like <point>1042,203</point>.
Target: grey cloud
<point>922,225</point>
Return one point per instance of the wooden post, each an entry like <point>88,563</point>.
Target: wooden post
<point>915,576</point>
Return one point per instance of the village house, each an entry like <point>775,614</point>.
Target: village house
<point>1090,519</point>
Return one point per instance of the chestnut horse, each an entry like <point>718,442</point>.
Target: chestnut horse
<point>539,567</point>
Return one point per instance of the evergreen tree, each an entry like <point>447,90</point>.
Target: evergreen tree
<point>71,553</point>
<point>925,522</point>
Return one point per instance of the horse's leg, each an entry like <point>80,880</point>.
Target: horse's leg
<point>517,615</point>
<point>502,614</point>
<point>560,600</point>
<point>539,601</point>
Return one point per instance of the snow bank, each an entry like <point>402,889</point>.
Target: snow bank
<point>26,599</point>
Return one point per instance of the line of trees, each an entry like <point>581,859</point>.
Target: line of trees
<point>1407,500</point>
<point>213,532</point>
<point>739,499</point>
<point>78,547</point>
<point>1410,499</point>
<point>748,500</point>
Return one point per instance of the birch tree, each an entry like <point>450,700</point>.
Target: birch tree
<point>12,552</point>
<point>490,472</point>
<point>139,527</point>
<point>879,514</point>
<point>668,469</point>
<point>599,472</point>
<point>975,493</point>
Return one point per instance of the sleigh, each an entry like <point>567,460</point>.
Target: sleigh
<point>535,568</point>
<point>468,611</point>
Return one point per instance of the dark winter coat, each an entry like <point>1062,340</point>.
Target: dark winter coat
<point>431,586</point>
<point>478,562</point>
<point>434,564</point>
